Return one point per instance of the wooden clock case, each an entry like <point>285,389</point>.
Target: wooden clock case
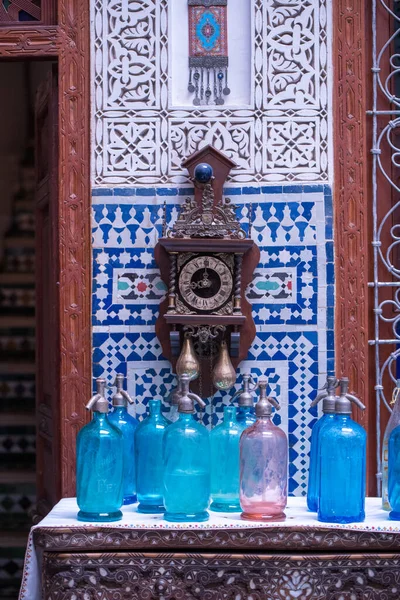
<point>239,328</point>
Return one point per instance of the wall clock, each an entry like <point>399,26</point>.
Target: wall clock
<point>207,260</point>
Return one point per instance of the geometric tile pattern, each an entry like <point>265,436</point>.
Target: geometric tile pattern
<point>131,286</point>
<point>272,285</point>
<point>280,134</point>
<point>293,287</point>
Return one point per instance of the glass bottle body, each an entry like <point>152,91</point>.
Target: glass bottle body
<point>127,424</point>
<point>263,471</point>
<point>393,422</point>
<point>394,474</point>
<point>315,462</point>
<point>224,440</point>
<point>342,471</point>
<point>148,458</point>
<point>99,471</point>
<point>186,452</point>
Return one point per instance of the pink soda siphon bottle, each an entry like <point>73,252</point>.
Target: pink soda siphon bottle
<point>263,465</point>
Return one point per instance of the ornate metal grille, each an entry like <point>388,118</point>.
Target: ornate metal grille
<point>385,115</point>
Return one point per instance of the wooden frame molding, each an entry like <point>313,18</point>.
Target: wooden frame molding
<point>68,43</point>
<point>350,193</point>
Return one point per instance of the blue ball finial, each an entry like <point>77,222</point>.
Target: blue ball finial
<point>203,173</point>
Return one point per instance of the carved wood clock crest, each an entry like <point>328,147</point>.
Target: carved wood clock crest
<point>207,261</point>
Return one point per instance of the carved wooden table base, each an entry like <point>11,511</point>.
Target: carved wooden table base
<point>145,558</point>
<point>123,576</point>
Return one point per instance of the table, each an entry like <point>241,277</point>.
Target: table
<point>144,557</point>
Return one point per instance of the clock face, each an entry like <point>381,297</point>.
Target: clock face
<point>205,283</point>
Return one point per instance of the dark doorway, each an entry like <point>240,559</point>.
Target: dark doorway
<point>20,83</point>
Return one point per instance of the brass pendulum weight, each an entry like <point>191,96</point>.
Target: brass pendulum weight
<point>224,375</point>
<point>188,363</point>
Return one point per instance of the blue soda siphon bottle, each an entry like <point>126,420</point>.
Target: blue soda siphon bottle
<point>343,464</point>
<point>127,426</point>
<point>393,422</point>
<point>246,413</point>
<point>186,452</point>
<point>224,440</point>
<point>99,464</point>
<point>394,474</point>
<point>328,408</point>
<point>148,459</point>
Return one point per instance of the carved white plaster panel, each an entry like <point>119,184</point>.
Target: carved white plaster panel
<point>291,145</point>
<point>141,136</point>
<point>291,58</point>
<point>131,67</point>
<point>132,146</point>
<point>234,137</point>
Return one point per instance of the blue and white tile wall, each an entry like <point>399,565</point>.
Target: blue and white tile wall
<point>275,125</point>
<point>292,297</point>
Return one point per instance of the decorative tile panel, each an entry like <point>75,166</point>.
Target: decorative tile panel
<point>293,287</point>
<point>280,134</point>
<point>138,285</point>
<point>273,285</point>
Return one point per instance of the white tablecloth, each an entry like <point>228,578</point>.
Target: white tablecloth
<point>64,515</point>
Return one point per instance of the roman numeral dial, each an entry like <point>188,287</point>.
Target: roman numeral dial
<point>205,283</point>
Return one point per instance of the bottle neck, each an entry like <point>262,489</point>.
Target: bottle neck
<point>229,415</point>
<point>120,409</point>
<point>100,417</point>
<point>246,410</point>
<point>264,419</point>
<point>185,417</point>
<point>154,409</point>
<point>343,417</point>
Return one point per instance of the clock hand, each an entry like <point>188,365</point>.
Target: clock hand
<point>203,283</point>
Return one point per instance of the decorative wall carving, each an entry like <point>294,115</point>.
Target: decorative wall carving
<point>143,576</point>
<point>30,42</point>
<point>74,230</point>
<point>141,138</point>
<point>351,199</point>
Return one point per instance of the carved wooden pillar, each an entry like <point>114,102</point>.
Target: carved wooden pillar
<point>74,228</point>
<point>351,55</point>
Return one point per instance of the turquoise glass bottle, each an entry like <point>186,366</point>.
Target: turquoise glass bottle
<point>127,426</point>
<point>99,464</point>
<point>246,413</point>
<point>224,440</point>
<point>328,408</point>
<point>263,465</point>
<point>393,422</point>
<point>149,462</point>
<point>186,452</point>
<point>394,474</point>
<point>343,445</point>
